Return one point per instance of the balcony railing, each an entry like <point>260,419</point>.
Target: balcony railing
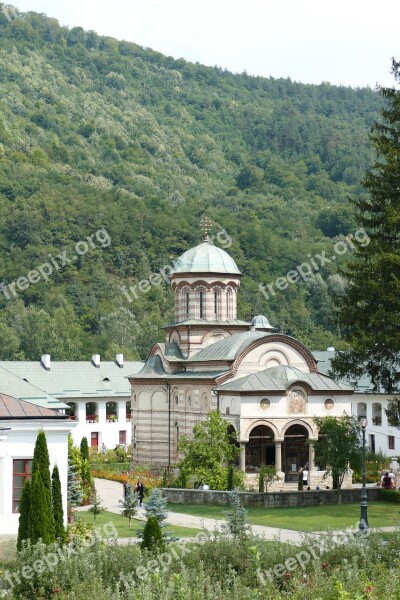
<point>92,418</point>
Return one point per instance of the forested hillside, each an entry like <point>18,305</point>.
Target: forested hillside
<point>97,133</point>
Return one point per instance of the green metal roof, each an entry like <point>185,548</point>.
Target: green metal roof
<point>15,386</point>
<point>154,369</point>
<point>281,378</point>
<point>206,258</point>
<point>228,348</point>
<point>72,379</point>
<point>261,322</point>
<point>324,357</point>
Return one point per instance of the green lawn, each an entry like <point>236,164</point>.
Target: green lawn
<point>317,518</point>
<point>124,531</point>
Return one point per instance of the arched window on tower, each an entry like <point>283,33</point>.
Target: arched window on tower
<point>229,307</point>
<point>201,305</point>
<point>217,305</point>
<point>187,304</point>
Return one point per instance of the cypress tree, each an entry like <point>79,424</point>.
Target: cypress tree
<point>41,524</point>
<point>229,483</point>
<point>84,447</point>
<point>152,537</point>
<point>24,512</point>
<point>41,461</point>
<point>58,513</point>
<point>42,502</point>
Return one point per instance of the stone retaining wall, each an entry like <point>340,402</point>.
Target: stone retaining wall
<point>270,499</point>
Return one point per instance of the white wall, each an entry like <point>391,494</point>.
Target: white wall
<point>108,432</point>
<point>383,431</point>
<point>20,443</point>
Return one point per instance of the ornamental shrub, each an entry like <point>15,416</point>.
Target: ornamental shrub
<point>152,537</point>
<point>24,512</point>
<point>58,513</point>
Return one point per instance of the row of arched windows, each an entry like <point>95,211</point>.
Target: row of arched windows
<point>200,296</point>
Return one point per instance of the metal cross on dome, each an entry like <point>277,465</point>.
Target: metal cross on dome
<point>205,225</point>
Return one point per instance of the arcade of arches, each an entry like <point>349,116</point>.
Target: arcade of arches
<point>289,453</point>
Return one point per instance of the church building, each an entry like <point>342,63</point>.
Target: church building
<point>266,384</point>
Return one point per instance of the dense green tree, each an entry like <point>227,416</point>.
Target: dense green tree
<point>84,447</point>
<point>41,522</point>
<point>152,536</point>
<point>24,512</point>
<point>58,512</point>
<point>369,308</point>
<point>338,447</point>
<point>207,454</point>
<point>41,461</point>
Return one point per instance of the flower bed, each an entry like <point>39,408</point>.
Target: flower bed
<point>148,479</point>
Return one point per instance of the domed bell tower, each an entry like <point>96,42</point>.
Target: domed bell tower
<point>205,281</point>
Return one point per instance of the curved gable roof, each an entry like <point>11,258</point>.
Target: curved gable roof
<point>228,348</point>
<point>281,378</point>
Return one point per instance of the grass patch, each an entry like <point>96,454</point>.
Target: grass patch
<point>313,518</point>
<point>124,531</point>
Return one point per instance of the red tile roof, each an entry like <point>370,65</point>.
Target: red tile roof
<point>12,408</point>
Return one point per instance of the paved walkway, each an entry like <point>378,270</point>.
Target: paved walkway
<point>110,492</point>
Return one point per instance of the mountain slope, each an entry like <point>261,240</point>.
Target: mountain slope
<point>99,134</point>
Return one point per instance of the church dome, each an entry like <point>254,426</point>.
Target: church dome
<point>261,322</point>
<point>206,258</point>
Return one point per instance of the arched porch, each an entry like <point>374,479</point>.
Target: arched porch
<point>260,449</point>
<point>296,451</point>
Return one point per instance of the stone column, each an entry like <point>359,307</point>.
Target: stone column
<point>278,456</point>
<point>311,456</point>
<point>101,410</point>
<point>242,457</point>
<point>80,411</point>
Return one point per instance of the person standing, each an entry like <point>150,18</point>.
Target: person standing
<point>139,488</point>
<point>305,476</point>
<point>392,479</point>
<point>387,482</point>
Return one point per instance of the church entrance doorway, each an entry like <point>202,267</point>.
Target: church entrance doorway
<point>295,451</point>
<point>260,450</point>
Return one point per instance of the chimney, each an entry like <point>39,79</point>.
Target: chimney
<point>45,360</point>
<point>119,359</point>
<point>96,360</point>
<point>330,349</point>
